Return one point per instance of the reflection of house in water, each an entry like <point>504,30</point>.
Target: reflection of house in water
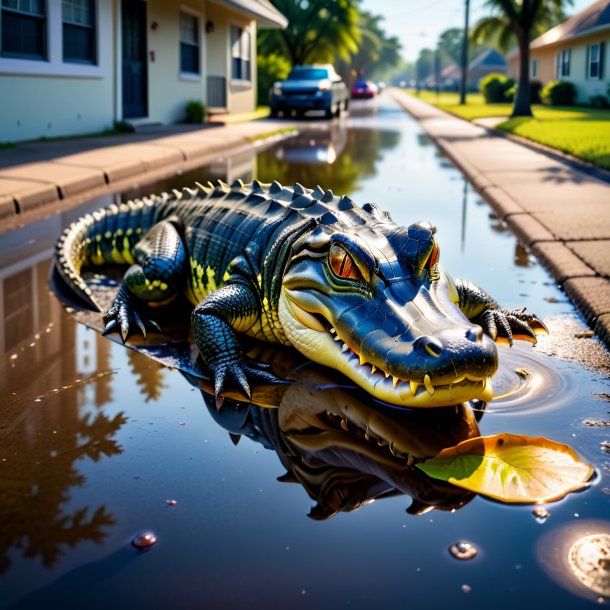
<point>51,389</point>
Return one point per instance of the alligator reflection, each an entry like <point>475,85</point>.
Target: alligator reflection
<point>346,452</point>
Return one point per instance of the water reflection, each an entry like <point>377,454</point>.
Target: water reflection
<point>55,379</point>
<point>344,451</point>
<point>337,159</point>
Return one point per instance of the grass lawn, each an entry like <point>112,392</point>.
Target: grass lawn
<point>579,131</point>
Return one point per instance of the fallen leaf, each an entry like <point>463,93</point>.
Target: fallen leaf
<point>511,468</point>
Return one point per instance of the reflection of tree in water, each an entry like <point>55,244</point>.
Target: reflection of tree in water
<point>44,432</point>
<point>148,375</point>
<point>355,161</point>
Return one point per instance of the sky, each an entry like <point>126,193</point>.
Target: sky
<point>418,23</point>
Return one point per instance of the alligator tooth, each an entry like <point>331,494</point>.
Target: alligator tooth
<point>373,368</point>
<point>362,360</point>
<point>428,384</point>
<point>344,348</point>
<point>344,424</point>
<point>337,338</point>
<point>414,385</point>
<point>386,374</point>
<point>395,380</point>
<point>380,444</point>
<point>333,331</point>
<point>410,460</point>
<point>366,436</point>
<point>392,450</point>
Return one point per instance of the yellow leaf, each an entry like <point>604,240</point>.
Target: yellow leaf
<point>511,468</point>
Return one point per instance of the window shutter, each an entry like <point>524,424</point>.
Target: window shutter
<point>602,52</point>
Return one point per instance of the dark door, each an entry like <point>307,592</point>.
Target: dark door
<point>135,76</point>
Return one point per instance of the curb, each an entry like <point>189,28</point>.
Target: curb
<point>73,177</point>
<point>586,289</point>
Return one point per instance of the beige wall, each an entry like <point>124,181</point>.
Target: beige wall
<point>585,87</point>
<point>241,95</point>
<point>168,89</point>
<point>52,98</point>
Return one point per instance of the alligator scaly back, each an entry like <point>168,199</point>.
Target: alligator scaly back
<point>105,236</point>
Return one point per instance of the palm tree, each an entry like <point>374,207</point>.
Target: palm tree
<point>318,31</point>
<point>522,20</point>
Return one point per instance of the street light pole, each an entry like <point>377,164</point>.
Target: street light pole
<point>464,55</point>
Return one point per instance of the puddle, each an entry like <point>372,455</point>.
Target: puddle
<point>99,443</point>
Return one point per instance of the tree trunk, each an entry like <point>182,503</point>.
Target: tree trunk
<point>522,105</point>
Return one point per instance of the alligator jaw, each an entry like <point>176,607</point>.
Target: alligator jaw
<point>311,338</point>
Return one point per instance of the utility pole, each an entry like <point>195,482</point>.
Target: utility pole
<point>464,55</point>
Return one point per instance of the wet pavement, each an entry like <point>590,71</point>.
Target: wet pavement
<point>558,208</point>
<point>99,443</point>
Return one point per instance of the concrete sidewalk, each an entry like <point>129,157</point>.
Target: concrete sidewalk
<point>556,209</point>
<point>40,173</point>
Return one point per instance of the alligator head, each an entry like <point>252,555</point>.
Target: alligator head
<point>372,301</point>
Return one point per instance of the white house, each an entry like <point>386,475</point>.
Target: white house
<point>70,67</point>
<point>576,50</point>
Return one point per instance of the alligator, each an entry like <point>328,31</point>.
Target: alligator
<point>343,284</point>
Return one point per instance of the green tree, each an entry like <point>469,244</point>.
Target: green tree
<point>520,21</point>
<point>318,31</point>
<point>424,66</point>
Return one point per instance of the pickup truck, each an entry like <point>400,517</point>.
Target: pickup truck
<point>316,87</point>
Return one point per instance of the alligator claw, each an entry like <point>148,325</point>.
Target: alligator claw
<point>122,316</point>
<point>240,372</point>
<point>511,324</point>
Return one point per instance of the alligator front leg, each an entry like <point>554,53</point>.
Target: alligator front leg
<point>234,307</point>
<point>157,276</point>
<point>499,323</point>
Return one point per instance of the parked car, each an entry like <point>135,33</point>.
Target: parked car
<point>316,87</point>
<point>364,89</point>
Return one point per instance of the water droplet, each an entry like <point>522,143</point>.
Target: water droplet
<point>466,588</point>
<point>14,356</point>
<point>144,540</point>
<point>463,550</point>
<point>541,514</point>
<point>183,423</point>
<point>171,502</point>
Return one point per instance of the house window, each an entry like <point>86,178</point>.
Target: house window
<point>594,55</point>
<point>534,68</point>
<point>240,54</point>
<point>24,29</point>
<point>563,63</point>
<point>189,43</point>
<point>78,18</point>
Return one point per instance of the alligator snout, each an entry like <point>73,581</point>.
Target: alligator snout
<point>445,357</point>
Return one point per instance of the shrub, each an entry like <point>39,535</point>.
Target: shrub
<point>270,68</point>
<point>558,93</point>
<point>599,101</point>
<point>195,111</point>
<point>495,88</point>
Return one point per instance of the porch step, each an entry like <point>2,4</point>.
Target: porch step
<point>142,125</point>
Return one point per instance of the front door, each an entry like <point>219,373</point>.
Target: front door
<point>135,75</point>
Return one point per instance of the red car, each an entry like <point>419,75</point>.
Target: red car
<point>364,90</point>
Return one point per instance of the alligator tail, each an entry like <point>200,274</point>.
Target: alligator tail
<point>105,237</point>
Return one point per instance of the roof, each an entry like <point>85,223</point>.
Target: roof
<point>262,10</point>
<point>488,59</point>
<point>595,18</point>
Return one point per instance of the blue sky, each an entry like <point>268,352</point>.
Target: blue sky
<point>418,23</point>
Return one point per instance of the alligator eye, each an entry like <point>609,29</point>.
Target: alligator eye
<point>343,264</point>
<point>434,256</point>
